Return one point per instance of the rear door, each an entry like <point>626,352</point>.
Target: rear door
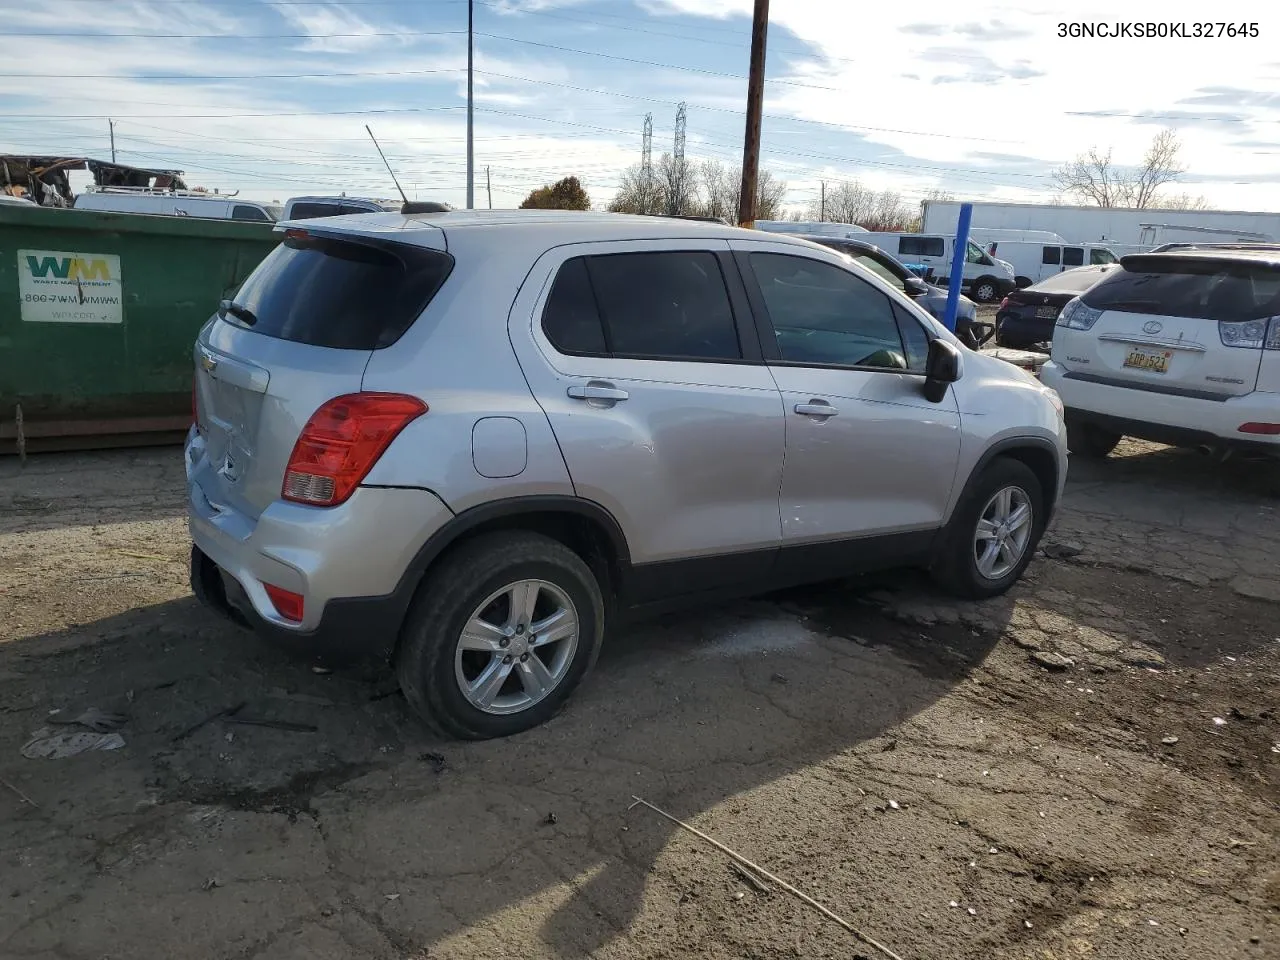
<point>643,356</point>
<point>1179,324</point>
<point>300,332</point>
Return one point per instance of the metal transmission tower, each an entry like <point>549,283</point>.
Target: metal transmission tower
<point>678,153</point>
<point>646,148</point>
<point>678,177</point>
<point>646,166</point>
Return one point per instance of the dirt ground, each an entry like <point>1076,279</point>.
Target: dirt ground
<point>1088,768</point>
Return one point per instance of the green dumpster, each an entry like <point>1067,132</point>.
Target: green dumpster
<point>98,314</point>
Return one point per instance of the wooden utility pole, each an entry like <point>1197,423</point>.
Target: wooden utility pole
<point>755,107</point>
<point>488,185</point>
<point>471,158</point>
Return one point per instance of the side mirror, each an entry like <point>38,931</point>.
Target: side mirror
<point>915,287</point>
<point>940,369</point>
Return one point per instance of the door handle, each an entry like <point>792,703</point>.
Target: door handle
<point>598,390</point>
<point>816,408</point>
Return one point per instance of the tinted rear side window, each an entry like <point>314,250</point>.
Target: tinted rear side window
<point>309,211</point>
<point>571,320</point>
<point>340,293</point>
<point>665,305</point>
<point>242,211</point>
<point>1073,256</point>
<point>920,246</point>
<point>1206,290</point>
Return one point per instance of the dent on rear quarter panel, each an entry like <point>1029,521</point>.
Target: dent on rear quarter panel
<point>458,359</point>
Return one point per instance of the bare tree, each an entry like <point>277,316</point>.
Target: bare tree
<point>678,183</point>
<point>720,188</point>
<point>1096,179</point>
<point>853,202</point>
<point>637,193</point>
<point>770,192</point>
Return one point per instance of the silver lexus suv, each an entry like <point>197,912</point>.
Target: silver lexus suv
<point>471,442</point>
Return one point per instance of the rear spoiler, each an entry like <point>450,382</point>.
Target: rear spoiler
<point>1180,262</point>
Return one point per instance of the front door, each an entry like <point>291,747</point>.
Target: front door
<point>662,408</point>
<point>866,454</point>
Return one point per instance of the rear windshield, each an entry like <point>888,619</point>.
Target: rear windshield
<point>1070,281</point>
<point>1207,289</point>
<point>339,293</point>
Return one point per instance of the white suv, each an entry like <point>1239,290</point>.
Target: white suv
<point>1179,347</point>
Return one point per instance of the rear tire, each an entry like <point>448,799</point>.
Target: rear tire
<point>440,672</point>
<point>966,564</point>
<point>1090,442</point>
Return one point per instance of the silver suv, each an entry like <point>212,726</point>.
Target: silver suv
<point>469,442</point>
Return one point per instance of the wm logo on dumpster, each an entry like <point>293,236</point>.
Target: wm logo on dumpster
<point>68,268</point>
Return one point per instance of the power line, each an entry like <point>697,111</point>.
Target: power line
<point>237,36</point>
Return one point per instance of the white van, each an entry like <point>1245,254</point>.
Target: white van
<point>986,279</point>
<point>823,228</point>
<point>176,203</point>
<point>1034,261</point>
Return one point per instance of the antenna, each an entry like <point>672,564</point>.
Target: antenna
<point>384,160</point>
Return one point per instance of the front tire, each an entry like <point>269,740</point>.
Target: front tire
<point>985,290</point>
<point>993,533</point>
<point>500,635</point>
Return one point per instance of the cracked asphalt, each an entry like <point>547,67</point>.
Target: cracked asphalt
<point>1087,768</point>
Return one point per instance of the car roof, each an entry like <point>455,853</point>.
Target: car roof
<point>1268,254</point>
<point>554,227</point>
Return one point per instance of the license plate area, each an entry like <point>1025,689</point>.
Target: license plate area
<point>1153,361</point>
<point>1049,313</point>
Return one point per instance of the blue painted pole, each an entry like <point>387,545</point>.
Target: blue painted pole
<point>957,266</point>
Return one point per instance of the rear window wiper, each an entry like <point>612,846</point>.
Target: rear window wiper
<point>240,312</point>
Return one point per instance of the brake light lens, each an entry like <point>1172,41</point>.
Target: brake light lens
<point>287,603</point>
<point>1004,304</point>
<point>341,443</point>
<point>1077,315</point>
<point>1248,334</point>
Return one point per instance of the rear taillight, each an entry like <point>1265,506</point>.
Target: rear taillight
<point>341,443</point>
<point>287,603</point>
<point>1004,304</point>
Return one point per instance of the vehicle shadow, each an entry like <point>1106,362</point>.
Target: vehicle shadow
<point>686,712</point>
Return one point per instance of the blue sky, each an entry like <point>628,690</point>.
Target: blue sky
<point>270,97</point>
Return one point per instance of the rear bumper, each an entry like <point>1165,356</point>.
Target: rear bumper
<point>1164,418</point>
<point>350,563</point>
<point>349,629</point>
<point>1017,329</point>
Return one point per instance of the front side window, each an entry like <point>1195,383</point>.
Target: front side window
<point>1073,256</point>
<point>974,254</point>
<point>880,268</point>
<point>823,315</point>
<point>1099,256</point>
